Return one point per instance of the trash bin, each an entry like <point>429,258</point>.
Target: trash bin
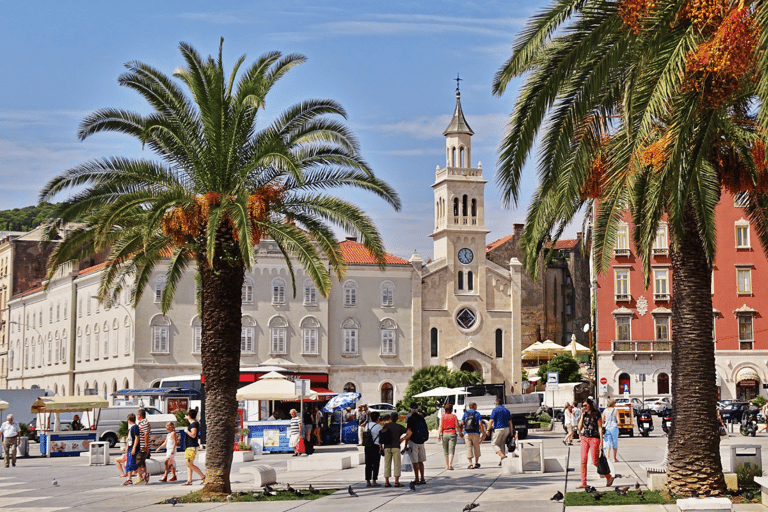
<point>23,449</point>
<point>745,454</point>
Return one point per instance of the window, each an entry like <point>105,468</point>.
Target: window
<point>350,293</point>
<point>660,287</point>
<point>105,336</point>
<point>662,327</point>
<point>350,388</point>
<point>309,334</point>
<point>88,306</point>
<point>433,342</point>
<point>350,330</point>
<point>50,314</point>
<point>499,343</point>
<point>279,331</point>
<point>58,311</point>
<point>278,290</point>
<point>745,332</point>
<point>65,310</point>
<point>197,335</point>
<point>310,293</point>
<point>622,241</point>
<point>661,244</point>
<point>50,349</point>
<point>87,343</point>
<point>56,348</point>
<point>80,308</point>
<point>127,339</point>
<point>387,393</point>
<point>622,285</point>
<point>96,341</point>
<point>466,318</point>
<point>26,354</point>
<point>622,328</point>
<point>246,340</point>
<point>161,333</point>
<point>460,282</point>
<point>624,383</point>
<point>41,351</point>
<point>247,291</point>
<point>744,281</point>
<point>662,384</point>
<point>115,338</point>
<point>159,285</point>
<point>470,281</point>
<point>63,355</point>
<point>740,200</point>
<point>387,294</point>
<point>742,234</point>
<point>388,338</point>
<point>79,345</point>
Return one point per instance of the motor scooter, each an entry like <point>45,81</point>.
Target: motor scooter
<point>666,420</point>
<point>644,422</point>
<point>749,423</point>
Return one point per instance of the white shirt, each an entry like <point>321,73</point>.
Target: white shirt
<point>9,429</point>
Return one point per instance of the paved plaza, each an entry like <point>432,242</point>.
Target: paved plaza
<point>29,487</point>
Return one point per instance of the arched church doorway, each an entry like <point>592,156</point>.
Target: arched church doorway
<point>471,366</point>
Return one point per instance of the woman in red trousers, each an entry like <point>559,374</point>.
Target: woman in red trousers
<point>591,432</point>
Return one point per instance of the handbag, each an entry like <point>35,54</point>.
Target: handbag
<point>602,465</point>
<point>511,445</point>
<point>405,462</point>
<point>723,432</point>
<point>300,448</point>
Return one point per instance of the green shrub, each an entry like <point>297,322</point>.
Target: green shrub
<point>544,418</point>
<point>123,430</point>
<point>181,420</point>
<point>432,421</point>
<point>24,429</point>
<point>759,400</point>
<point>746,474</point>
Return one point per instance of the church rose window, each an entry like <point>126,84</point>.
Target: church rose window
<point>466,318</point>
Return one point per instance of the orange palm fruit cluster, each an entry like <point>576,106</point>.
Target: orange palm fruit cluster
<point>634,12</point>
<point>705,15</point>
<point>593,187</point>
<point>654,155</point>
<point>717,67</point>
<point>259,207</point>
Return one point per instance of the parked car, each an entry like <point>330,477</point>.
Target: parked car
<point>733,411</point>
<point>637,404</point>
<point>382,408</point>
<point>657,404</point>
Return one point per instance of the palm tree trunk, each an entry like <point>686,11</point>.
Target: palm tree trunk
<point>694,443</point>
<point>221,310</point>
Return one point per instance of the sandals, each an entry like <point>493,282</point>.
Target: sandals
<point>477,466</point>
<point>471,467</point>
<point>172,479</point>
<point>387,485</point>
<point>609,482</point>
<point>187,483</point>
<point>164,479</point>
<point>398,485</point>
<point>128,482</point>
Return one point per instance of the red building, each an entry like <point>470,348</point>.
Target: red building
<point>634,323</point>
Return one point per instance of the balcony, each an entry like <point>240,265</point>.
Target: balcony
<point>642,346</point>
<point>620,251</point>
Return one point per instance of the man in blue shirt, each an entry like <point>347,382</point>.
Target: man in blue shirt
<point>501,421</point>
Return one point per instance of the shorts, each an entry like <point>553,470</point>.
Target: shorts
<point>189,454</point>
<point>294,440</point>
<point>130,463</point>
<point>569,428</point>
<point>611,438</point>
<point>141,459</point>
<point>500,439</point>
<point>418,452</point>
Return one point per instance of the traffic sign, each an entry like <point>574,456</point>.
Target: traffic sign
<point>603,380</point>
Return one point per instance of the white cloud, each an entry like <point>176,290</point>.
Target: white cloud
<point>426,127</point>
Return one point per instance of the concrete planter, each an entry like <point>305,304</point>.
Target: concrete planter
<point>246,456</point>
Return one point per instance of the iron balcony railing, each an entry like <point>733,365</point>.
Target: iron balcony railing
<point>642,345</point>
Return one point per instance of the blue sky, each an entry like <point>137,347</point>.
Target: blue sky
<point>390,64</point>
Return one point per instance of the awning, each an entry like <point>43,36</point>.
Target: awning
<point>747,374</point>
<point>46,404</point>
<point>3,405</point>
<point>161,392</point>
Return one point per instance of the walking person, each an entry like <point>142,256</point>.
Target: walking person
<point>10,431</point>
<point>170,444</point>
<point>191,442</point>
<point>392,434</point>
<point>591,433</point>
<point>416,435</point>
<point>294,432</point>
<point>765,418</point>
<point>372,444</point>
<point>318,424</point>
<point>611,429</point>
<point>448,432</point>
<point>362,417</point>
<point>501,422</point>
<point>568,423</point>
<point>473,431</point>
<point>143,454</point>
<point>133,447</point>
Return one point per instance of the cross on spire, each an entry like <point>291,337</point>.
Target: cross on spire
<point>457,81</point>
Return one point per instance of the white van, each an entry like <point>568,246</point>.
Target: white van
<point>111,417</point>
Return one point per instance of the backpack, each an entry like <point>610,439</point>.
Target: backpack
<point>421,433</point>
<point>368,440</point>
<point>470,424</point>
<point>385,437</point>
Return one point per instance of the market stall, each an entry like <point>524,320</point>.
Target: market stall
<point>58,443</point>
<point>273,435</point>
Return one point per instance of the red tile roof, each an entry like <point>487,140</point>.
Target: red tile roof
<point>501,241</point>
<point>92,269</point>
<point>355,253</point>
<point>565,244</point>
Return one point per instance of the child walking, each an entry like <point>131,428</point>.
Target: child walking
<point>170,444</point>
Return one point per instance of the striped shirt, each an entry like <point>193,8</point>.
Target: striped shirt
<point>144,430</point>
<point>295,426</point>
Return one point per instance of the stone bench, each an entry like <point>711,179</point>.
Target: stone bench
<point>322,462</point>
<point>762,481</point>
<point>658,481</point>
<point>263,474</point>
<point>704,504</point>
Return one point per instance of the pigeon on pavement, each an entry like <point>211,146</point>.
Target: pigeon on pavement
<point>312,489</point>
<point>597,495</point>
<point>557,497</point>
<point>637,486</point>
<point>412,485</point>
<point>269,492</point>
<point>55,483</point>
<point>621,491</point>
<point>351,492</point>
<point>289,488</point>
<point>173,501</point>
<point>589,489</point>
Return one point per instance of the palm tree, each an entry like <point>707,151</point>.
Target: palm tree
<point>646,106</point>
<point>218,186</point>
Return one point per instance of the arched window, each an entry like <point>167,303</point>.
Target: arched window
<point>79,346</point>
<point>105,339</point>
<point>499,343</point>
<point>474,207</point>
<point>310,293</point>
<point>63,355</point>
<point>104,390</point>
<point>388,338</point>
<point>58,311</point>
<point>78,390</point>
<point>387,393</point>
<point>197,335</point>
<point>460,282</point>
<point>65,310</point>
<point>461,158</point>
<point>278,290</point>
<point>433,342</point>
<point>349,388</point>
<point>455,206</point>
<point>159,285</point>
<point>114,386</point>
<point>55,389</point>
<point>350,330</point>
<point>26,354</point>
<point>96,341</point>
<point>350,293</point>
<point>125,384</point>
<point>161,335</point>
<point>115,338</point>
<point>41,351</point>
<point>127,337</point>
<point>87,347</point>
<point>387,294</point>
<point>310,329</point>
<point>624,383</point>
<point>246,335</point>
<point>453,157</point>
<point>278,329</point>
<point>56,348</point>
<point>63,390</point>
<point>662,382</point>
<point>247,291</point>
<point>464,205</point>
<point>470,281</point>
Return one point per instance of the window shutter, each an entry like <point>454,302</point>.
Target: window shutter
<point>197,339</point>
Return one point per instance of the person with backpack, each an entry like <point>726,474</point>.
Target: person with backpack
<point>417,434</point>
<point>391,436</point>
<point>474,432</point>
<point>372,444</point>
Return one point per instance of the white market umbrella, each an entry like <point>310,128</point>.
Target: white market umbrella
<point>272,386</point>
<point>4,405</point>
<point>577,348</point>
<point>439,391</point>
